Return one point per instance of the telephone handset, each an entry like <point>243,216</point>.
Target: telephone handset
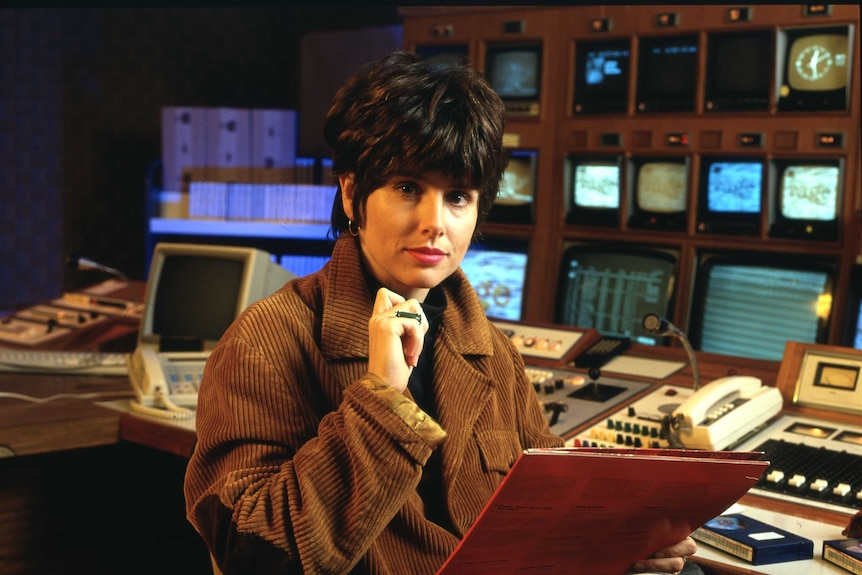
<point>723,411</point>
<point>166,383</point>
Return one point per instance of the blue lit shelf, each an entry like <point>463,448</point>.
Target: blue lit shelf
<point>251,229</point>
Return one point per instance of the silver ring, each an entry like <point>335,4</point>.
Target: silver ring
<point>409,314</point>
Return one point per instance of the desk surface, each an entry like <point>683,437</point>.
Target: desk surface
<point>27,427</point>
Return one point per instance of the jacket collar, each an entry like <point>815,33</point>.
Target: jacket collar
<point>347,305</point>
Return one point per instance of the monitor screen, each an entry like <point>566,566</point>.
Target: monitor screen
<point>602,76</point>
<point>667,74</point>
<point>514,202</point>
<point>853,315</point>
<point>445,53</point>
<point>738,71</point>
<point>752,304</point>
<point>594,183</point>
<point>659,195</point>
<point>814,68</point>
<point>611,288</point>
<point>515,73</point>
<point>195,291</point>
<point>729,195</point>
<point>807,198</point>
<point>498,270</point>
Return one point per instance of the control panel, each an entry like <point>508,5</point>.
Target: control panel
<point>570,399</point>
<point>637,424</point>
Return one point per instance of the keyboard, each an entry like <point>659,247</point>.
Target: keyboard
<point>70,362</point>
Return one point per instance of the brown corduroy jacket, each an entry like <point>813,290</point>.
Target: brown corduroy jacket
<point>306,464</point>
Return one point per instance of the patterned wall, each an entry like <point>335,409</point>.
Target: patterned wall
<point>80,97</point>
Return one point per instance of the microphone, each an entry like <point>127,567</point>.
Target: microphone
<point>658,325</point>
<point>77,262</point>
<point>655,324</point>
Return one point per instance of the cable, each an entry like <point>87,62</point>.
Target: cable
<point>91,395</point>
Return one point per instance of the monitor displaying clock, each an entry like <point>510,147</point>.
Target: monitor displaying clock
<point>815,72</point>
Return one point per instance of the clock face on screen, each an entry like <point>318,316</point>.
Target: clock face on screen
<point>814,62</point>
<point>818,62</point>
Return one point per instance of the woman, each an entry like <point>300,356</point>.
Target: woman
<point>357,420</point>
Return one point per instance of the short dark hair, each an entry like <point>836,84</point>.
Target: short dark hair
<point>404,115</point>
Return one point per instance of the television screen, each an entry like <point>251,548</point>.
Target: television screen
<point>807,198</point>
<point>738,71</point>
<point>514,202</point>
<point>815,68</point>
<point>751,304</point>
<point>611,288</point>
<point>729,195</point>
<point>660,193</point>
<point>514,71</point>
<point>853,316</point>
<point>667,74</point>
<point>595,190</point>
<point>602,76</point>
<point>498,270</point>
<point>445,53</point>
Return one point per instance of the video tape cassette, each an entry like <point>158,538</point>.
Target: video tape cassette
<point>754,541</point>
<point>845,553</point>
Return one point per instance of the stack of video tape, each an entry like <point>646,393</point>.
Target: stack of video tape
<point>845,553</point>
<point>754,541</point>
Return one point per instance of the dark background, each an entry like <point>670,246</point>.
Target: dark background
<point>80,97</point>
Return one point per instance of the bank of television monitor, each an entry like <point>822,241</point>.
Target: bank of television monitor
<point>514,202</point>
<point>814,68</point>
<point>807,198</point>
<point>658,192</point>
<point>195,291</point>
<point>730,194</point>
<point>497,269</point>
<point>593,185</point>
<point>514,71</point>
<point>611,287</point>
<point>601,76</point>
<point>667,73</point>
<point>738,71</point>
<point>452,54</point>
<point>853,315</point>
<point>750,304</point>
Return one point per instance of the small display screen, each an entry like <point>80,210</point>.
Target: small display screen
<point>498,277</point>
<point>734,186</point>
<point>602,76</point>
<point>514,72</point>
<point>815,68</point>
<point>596,185</point>
<point>818,62</point>
<point>611,289</point>
<point>738,72</point>
<point>517,185</point>
<point>751,306</point>
<point>661,187</point>
<point>196,296</point>
<point>450,54</point>
<point>809,192</point>
<point>857,342</point>
<point>667,77</point>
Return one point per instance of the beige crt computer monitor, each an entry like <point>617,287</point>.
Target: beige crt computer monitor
<point>195,291</point>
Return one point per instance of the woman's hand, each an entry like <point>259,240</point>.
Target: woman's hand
<point>394,343</point>
<point>668,560</point>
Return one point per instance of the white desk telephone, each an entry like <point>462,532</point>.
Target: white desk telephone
<point>166,383</point>
<point>723,411</point>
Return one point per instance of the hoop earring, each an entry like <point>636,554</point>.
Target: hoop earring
<point>352,228</point>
